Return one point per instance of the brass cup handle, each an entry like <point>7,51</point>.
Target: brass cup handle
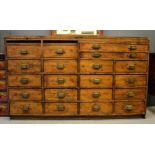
<point>60,107</point>
<point>26,109</point>
<point>132,55</point>
<point>96,46</point>
<point>2,108</point>
<point>60,51</point>
<point>130,94</point>
<point>25,95</point>
<point>96,108</point>
<point>96,81</point>
<point>60,80</point>
<point>96,94</point>
<point>60,66</point>
<point>131,80</point>
<point>96,66</point>
<point>24,66</point>
<point>24,81</point>
<point>24,52</point>
<point>61,95</point>
<point>132,47</point>
<point>131,66</point>
<point>128,107</point>
<point>96,55</point>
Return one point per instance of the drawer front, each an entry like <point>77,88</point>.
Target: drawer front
<point>95,95</point>
<point>24,51</point>
<point>3,96</point>
<point>25,108</point>
<point>131,81</point>
<point>25,94</point>
<point>127,108</point>
<point>93,109</point>
<point>2,64</point>
<point>24,66</point>
<point>60,66</point>
<point>60,81</point>
<point>2,84</point>
<point>96,66</point>
<point>113,47</point>
<point>24,80</point>
<point>2,74</point>
<point>60,50</point>
<point>3,109</point>
<point>96,81</point>
<point>59,109</point>
<point>131,66</point>
<point>59,95</point>
<point>130,94</point>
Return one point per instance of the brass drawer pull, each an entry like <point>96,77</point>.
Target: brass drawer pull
<point>26,109</point>
<point>2,108</point>
<point>60,80</point>
<point>131,80</point>
<point>128,107</point>
<point>132,55</point>
<point>24,81</point>
<point>25,95</point>
<point>130,94</point>
<point>61,107</point>
<point>96,81</point>
<point>96,46</point>
<point>96,94</point>
<point>24,66</point>
<point>96,55</point>
<point>60,51</point>
<point>24,52</point>
<point>132,47</point>
<point>96,66</point>
<point>60,66</point>
<point>61,95</point>
<point>96,108</point>
<point>131,66</point>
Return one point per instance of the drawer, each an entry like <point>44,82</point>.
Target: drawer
<point>3,96</point>
<point>95,95</point>
<point>96,81</point>
<point>24,80</point>
<point>99,46</point>
<point>96,66</point>
<point>93,109</point>
<point>24,51</point>
<point>25,108</point>
<point>60,66</point>
<point>2,84</point>
<point>131,66</point>
<point>59,109</point>
<point>25,94</point>
<point>130,94</point>
<point>60,50</point>
<point>24,66</point>
<point>131,81</point>
<point>59,95</point>
<point>60,81</point>
<point>2,74</point>
<point>2,64</point>
<point>127,108</point>
<point>4,109</point>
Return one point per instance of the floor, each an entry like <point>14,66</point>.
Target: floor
<point>150,119</point>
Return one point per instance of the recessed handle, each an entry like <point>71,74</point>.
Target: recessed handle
<point>60,80</point>
<point>61,95</point>
<point>96,94</point>
<point>24,52</point>
<point>96,108</point>
<point>25,95</point>
<point>60,107</point>
<point>60,66</point>
<point>2,108</point>
<point>128,107</point>
<point>131,80</point>
<point>96,46</point>
<point>60,51</point>
<point>96,66</point>
<point>131,66</point>
<point>96,55</point>
<point>132,47</point>
<point>96,81</point>
<point>24,81</point>
<point>130,94</point>
<point>24,66</point>
<point>132,55</point>
<point>26,109</point>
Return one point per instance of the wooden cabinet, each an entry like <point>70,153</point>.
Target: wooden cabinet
<point>77,77</point>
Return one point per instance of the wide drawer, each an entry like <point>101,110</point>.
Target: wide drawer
<point>60,81</point>
<point>2,74</point>
<point>130,81</point>
<point>96,81</point>
<point>93,109</point>
<point>2,84</point>
<point>60,50</point>
<point>24,66</point>
<point>59,109</point>
<point>127,108</point>
<point>25,94</point>
<point>24,51</point>
<point>130,94</point>
<point>131,66</point>
<point>3,96</point>
<point>60,66</point>
<point>3,109</point>
<point>24,80</point>
<point>95,95</point>
<point>96,66</point>
<point>2,64</point>
<point>25,108</point>
<point>59,95</point>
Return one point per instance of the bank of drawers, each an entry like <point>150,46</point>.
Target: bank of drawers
<point>77,79</point>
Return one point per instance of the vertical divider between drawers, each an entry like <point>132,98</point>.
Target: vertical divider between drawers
<point>113,85</point>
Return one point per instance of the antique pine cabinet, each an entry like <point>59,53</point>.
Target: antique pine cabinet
<point>77,77</point>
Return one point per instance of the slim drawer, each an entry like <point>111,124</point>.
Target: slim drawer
<point>123,81</point>
<point>59,109</point>
<point>2,64</point>
<point>25,108</point>
<point>131,66</point>
<point>93,109</point>
<point>130,94</point>
<point>24,66</point>
<point>24,51</point>
<point>3,96</point>
<point>3,109</point>
<point>24,81</point>
<point>96,66</point>
<point>60,50</point>
<point>95,95</point>
<point>59,95</point>
<point>60,66</point>
<point>129,108</point>
<point>2,84</point>
<point>2,74</point>
<point>25,94</point>
<point>96,81</point>
<point>60,81</point>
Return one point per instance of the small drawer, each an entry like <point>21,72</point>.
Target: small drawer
<point>25,94</point>
<point>23,51</point>
<point>2,74</point>
<point>95,95</point>
<point>59,95</point>
<point>24,66</point>
<point>130,94</point>
<point>96,66</point>
<point>3,96</point>
<point>123,81</point>
<point>4,109</point>
<point>131,66</point>
<point>96,81</point>
<point>2,84</point>
<point>93,109</point>
<point>59,109</point>
<point>25,108</point>
<point>127,108</point>
<point>60,66</point>
<point>24,80</point>
<point>60,81</point>
<point>60,50</point>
